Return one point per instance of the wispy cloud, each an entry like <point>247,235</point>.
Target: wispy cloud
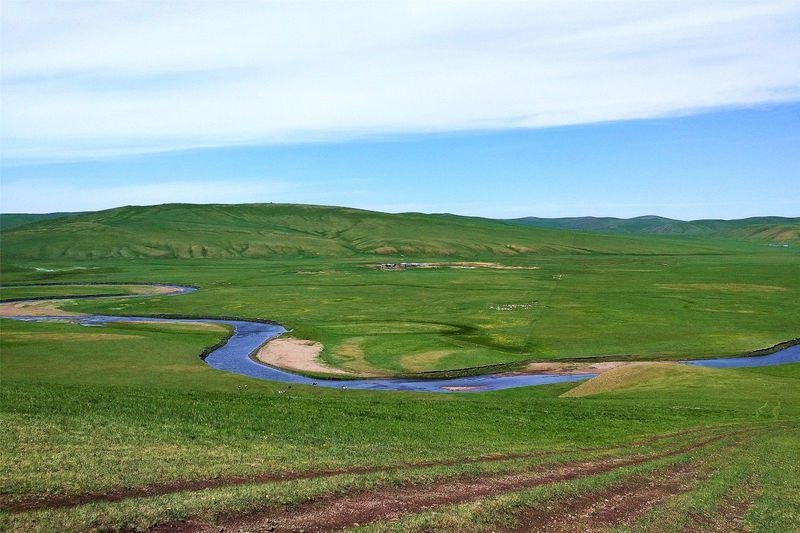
<point>92,197</point>
<point>87,79</point>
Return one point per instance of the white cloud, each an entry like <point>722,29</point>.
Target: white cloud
<point>83,79</point>
<point>28,196</point>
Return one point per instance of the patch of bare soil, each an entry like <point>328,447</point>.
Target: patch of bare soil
<point>296,354</point>
<point>728,517</point>
<point>553,367</point>
<point>621,504</point>
<point>70,500</point>
<point>152,289</point>
<point>494,266</point>
<point>340,512</point>
<point>616,506</point>
<point>34,308</point>
<point>455,264</point>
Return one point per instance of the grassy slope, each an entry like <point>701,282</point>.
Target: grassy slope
<point>12,220</point>
<point>124,405</point>
<point>308,268</point>
<point>137,406</point>
<point>270,230</point>
<point>781,229</point>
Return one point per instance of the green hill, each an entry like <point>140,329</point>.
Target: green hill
<point>13,220</point>
<point>264,230</point>
<point>773,229</point>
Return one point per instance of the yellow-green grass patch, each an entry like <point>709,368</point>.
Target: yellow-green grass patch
<point>722,287</point>
<point>419,362</point>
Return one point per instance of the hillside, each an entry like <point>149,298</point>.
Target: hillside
<point>264,230</point>
<point>772,229</point>
<point>13,220</point>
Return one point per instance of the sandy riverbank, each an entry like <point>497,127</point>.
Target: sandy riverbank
<point>296,354</point>
<point>34,308</point>
<point>570,368</point>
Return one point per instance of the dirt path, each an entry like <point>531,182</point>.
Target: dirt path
<point>618,505</point>
<point>49,501</point>
<point>621,504</point>
<point>157,489</point>
<point>728,517</point>
<point>340,512</point>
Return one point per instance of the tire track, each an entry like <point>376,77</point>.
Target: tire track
<point>51,501</point>
<point>339,512</point>
<point>623,503</point>
<point>619,504</point>
<point>616,506</point>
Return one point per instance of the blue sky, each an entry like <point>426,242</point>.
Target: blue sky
<point>688,110</point>
<point>727,164</point>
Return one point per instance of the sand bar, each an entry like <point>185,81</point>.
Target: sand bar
<point>295,354</point>
<point>34,308</point>
<point>568,368</point>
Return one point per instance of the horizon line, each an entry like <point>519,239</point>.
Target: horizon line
<point>443,213</point>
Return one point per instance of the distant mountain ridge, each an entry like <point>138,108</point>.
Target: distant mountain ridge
<point>184,231</point>
<point>778,229</point>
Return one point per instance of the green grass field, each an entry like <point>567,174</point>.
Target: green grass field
<point>55,291</point>
<point>92,410</point>
<point>394,322</point>
<point>124,427</point>
<point>278,230</point>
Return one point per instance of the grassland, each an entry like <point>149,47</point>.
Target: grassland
<point>275,230</point>
<point>58,290</point>
<point>124,427</point>
<point>89,417</point>
<point>395,322</point>
<point>12,220</point>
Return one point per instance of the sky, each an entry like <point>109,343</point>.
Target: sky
<point>500,109</point>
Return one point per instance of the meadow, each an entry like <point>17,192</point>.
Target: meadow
<point>125,427</point>
<point>376,322</point>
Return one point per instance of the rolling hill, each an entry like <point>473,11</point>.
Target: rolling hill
<point>13,220</point>
<point>774,229</point>
<point>266,230</point>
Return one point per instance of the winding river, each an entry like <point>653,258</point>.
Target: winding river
<point>235,355</point>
